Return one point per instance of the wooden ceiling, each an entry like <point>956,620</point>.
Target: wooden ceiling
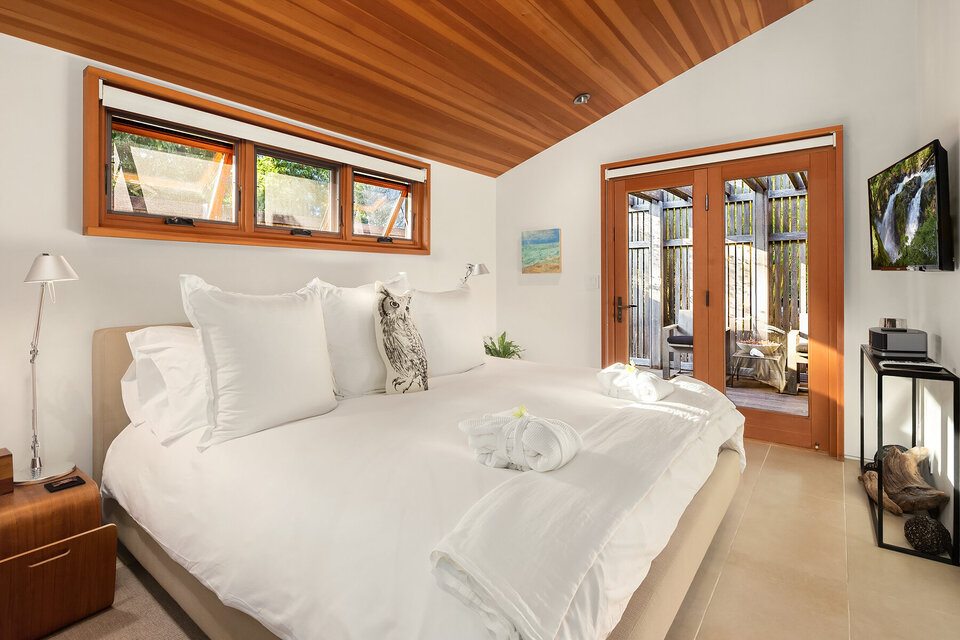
<point>480,84</point>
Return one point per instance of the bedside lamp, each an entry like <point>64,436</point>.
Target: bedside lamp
<point>479,269</point>
<point>46,270</point>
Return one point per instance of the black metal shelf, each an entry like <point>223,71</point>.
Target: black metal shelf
<point>914,374</point>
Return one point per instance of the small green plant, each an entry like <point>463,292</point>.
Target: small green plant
<point>501,347</point>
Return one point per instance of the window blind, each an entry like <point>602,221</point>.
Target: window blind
<point>140,104</point>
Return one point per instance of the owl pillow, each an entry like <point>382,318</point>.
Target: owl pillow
<point>399,342</point>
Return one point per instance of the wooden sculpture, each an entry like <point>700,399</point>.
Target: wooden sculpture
<point>869,480</point>
<point>904,488</point>
<point>903,482</point>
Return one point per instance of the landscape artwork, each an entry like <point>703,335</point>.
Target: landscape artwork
<point>903,213</point>
<point>540,251</point>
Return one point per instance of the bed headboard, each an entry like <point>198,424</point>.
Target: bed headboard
<point>111,357</point>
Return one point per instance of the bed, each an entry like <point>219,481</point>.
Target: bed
<point>159,497</point>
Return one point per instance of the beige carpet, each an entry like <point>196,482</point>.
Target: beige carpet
<point>141,610</point>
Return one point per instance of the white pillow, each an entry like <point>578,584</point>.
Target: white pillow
<point>130,395</point>
<point>266,355</point>
<point>357,366</point>
<point>171,381</point>
<point>451,330</point>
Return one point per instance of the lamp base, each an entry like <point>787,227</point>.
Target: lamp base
<point>47,472</point>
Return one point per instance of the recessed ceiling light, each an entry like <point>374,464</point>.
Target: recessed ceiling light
<point>583,98</point>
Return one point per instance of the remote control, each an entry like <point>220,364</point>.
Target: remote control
<point>64,483</point>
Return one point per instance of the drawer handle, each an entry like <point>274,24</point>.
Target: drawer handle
<point>56,557</point>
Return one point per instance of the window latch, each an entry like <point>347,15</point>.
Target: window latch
<point>301,232</point>
<point>180,222</point>
<point>385,240</point>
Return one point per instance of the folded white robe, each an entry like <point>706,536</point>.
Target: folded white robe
<point>517,440</point>
<point>519,556</point>
<point>626,382</point>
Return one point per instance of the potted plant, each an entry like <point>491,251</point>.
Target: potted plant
<point>501,347</point>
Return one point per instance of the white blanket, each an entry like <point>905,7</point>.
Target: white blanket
<point>516,439</point>
<point>519,555</point>
<point>331,536</point>
<point>627,382</point>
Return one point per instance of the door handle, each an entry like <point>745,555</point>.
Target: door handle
<point>620,307</point>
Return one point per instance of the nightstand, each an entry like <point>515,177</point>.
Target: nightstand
<point>57,564</point>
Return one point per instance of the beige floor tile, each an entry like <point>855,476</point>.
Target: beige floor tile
<point>748,604</point>
<point>797,474</point>
<point>919,585</point>
<point>694,606</point>
<point>802,539</point>
<point>874,615</point>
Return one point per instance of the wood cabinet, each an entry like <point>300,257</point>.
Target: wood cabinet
<point>57,564</point>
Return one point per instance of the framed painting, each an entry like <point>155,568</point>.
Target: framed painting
<point>540,251</point>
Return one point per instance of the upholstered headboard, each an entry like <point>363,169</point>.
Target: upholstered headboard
<point>111,357</point>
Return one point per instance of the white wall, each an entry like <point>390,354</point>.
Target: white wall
<point>135,282</point>
<point>866,64</point>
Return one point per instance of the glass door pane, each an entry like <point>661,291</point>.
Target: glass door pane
<point>660,278</point>
<point>766,341</point>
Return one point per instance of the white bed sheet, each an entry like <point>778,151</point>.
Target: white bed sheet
<point>324,527</point>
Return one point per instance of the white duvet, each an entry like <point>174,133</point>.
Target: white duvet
<point>323,528</point>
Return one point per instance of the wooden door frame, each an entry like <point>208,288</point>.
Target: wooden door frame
<point>832,351</point>
<point>682,177</point>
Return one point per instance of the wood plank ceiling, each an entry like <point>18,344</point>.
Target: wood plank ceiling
<point>479,84</point>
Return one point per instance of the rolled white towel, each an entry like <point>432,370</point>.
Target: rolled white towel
<point>517,440</point>
<point>626,382</point>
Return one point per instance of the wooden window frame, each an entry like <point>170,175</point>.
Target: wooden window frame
<point>283,154</point>
<point>98,221</point>
<point>179,135</point>
<point>403,186</point>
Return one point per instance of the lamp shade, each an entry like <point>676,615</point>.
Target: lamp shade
<point>478,269</point>
<point>49,268</point>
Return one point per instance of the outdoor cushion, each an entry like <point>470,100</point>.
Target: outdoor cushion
<point>680,340</point>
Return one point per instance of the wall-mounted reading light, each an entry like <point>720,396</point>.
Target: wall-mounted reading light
<point>583,98</point>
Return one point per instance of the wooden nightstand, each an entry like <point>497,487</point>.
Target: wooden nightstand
<point>57,564</point>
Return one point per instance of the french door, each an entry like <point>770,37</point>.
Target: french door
<point>732,272</point>
<point>660,264</point>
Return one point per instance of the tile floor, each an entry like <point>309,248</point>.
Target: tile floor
<point>794,558</point>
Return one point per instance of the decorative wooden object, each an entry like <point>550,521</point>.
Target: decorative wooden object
<point>57,564</point>
<point>869,480</point>
<point>6,472</point>
<point>905,486</point>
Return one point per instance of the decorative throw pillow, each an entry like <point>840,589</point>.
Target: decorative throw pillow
<point>357,366</point>
<point>399,342</point>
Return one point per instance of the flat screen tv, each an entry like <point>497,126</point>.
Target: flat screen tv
<point>910,225</point>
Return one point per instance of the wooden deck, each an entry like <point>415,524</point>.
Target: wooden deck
<point>756,395</point>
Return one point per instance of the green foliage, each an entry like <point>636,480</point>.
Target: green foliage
<point>883,185</point>
<point>923,248</point>
<point>880,256</point>
<point>501,347</point>
<point>269,164</point>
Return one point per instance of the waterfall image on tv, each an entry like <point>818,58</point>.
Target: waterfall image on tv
<point>909,213</point>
